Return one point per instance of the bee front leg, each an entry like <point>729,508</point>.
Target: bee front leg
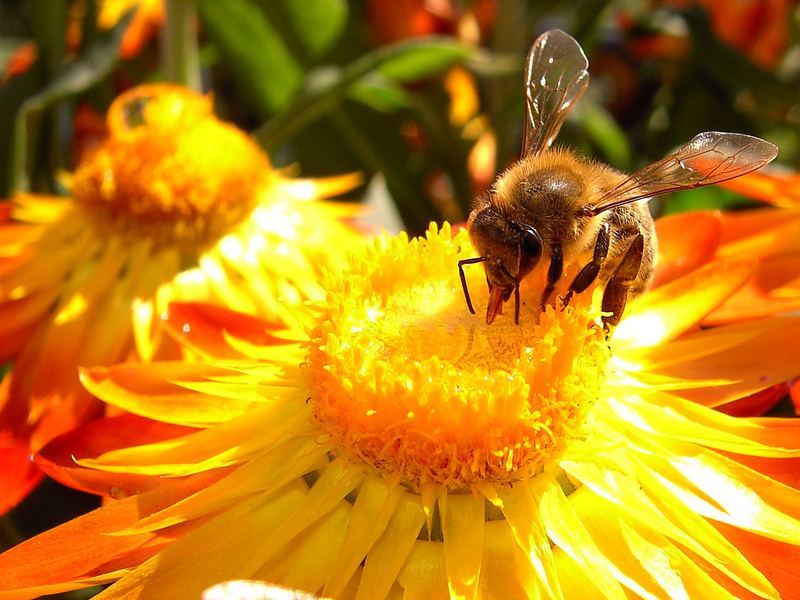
<point>553,273</point>
<point>588,274</point>
<point>616,293</point>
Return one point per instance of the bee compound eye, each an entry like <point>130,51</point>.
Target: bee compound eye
<point>530,242</point>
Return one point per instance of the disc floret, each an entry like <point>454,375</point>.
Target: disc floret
<point>407,380</point>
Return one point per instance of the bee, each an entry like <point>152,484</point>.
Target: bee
<point>554,204</point>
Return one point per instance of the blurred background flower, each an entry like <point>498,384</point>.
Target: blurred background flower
<point>170,204</point>
<point>424,99</point>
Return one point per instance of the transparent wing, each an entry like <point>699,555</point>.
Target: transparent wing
<point>555,78</point>
<point>708,158</point>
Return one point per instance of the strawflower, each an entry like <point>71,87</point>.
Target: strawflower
<point>173,205</point>
<point>398,446</point>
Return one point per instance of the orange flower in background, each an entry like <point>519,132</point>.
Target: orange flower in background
<point>768,237</point>
<point>773,186</point>
<point>759,29</point>
<point>173,205</point>
<point>147,18</point>
<point>395,445</point>
<point>394,20</point>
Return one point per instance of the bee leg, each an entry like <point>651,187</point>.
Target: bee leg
<point>461,263</point>
<point>616,294</point>
<point>588,274</point>
<point>553,273</point>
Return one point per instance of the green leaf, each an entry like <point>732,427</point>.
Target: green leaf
<point>91,66</point>
<point>316,25</point>
<point>12,95</point>
<point>605,134</point>
<point>422,59</point>
<point>379,94</point>
<point>707,198</point>
<point>48,25</point>
<point>403,61</point>
<point>266,73</point>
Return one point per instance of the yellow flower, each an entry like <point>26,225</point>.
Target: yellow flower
<point>398,446</point>
<point>173,204</point>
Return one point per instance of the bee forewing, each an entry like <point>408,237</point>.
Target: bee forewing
<point>555,78</point>
<point>710,157</point>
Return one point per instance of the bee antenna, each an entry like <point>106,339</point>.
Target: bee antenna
<point>461,263</point>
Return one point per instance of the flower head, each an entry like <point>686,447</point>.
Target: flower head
<point>173,204</point>
<point>400,445</point>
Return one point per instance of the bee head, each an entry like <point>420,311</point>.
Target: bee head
<point>509,250</point>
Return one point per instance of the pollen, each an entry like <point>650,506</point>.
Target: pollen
<point>407,380</point>
<point>169,170</point>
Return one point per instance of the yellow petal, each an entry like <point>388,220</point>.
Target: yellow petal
<point>229,443</point>
<point>390,552</point>
<point>462,527</point>
<point>739,496</point>
<point>506,572</point>
<point>519,507</point>
<point>424,575</point>
<point>148,390</point>
<point>263,474</point>
<point>706,541</point>
<point>667,416</point>
<point>313,554</point>
<point>575,581</point>
<point>371,512</point>
<point>212,553</point>
<point>336,480</point>
<point>671,569</point>
<point>569,534</point>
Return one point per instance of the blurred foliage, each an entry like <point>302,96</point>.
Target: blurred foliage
<point>335,86</point>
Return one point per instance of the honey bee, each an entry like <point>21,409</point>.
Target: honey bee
<point>555,204</point>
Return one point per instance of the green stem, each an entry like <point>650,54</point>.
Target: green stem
<point>180,54</point>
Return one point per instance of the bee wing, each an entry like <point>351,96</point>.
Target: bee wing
<point>710,157</point>
<point>555,78</point>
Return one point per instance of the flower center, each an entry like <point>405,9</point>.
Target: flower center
<point>169,170</point>
<point>407,380</point>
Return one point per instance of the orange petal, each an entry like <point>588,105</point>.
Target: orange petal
<point>760,233</point>
<point>82,547</point>
<point>776,560</point>
<point>20,61</point>
<point>794,394</point>
<point>57,458</point>
<point>686,241</point>
<point>203,327</point>
<point>143,27</point>
<point>756,404</point>
<point>785,470</point>
<point>665,313</point>
<point>18,475</point>
<point>146,390</point>
<point>768,354</point>
<point>780,189</point>
<point>771,291</point>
